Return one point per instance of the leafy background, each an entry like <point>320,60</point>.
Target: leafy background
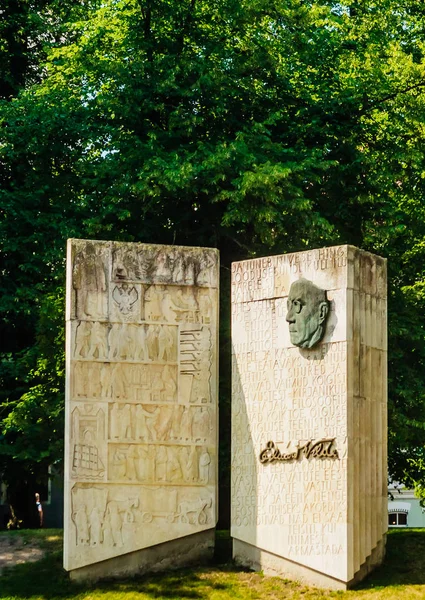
<point>254,126</point>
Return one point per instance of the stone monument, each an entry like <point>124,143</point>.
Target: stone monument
<point>309,450</point>
<point>141,407</point>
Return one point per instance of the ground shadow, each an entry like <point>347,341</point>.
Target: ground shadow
<point>404,565</point>
<point>46,579</point>
<point>404,562</point>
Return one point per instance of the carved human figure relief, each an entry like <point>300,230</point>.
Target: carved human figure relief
<point>96,537</point>
<point>82,525</point>
<point>201,424</point>
<point>81,383</point>
<point>141,350</point>
<point>127,342</point>
<point>151,421</point>
<point>193,464</point>
<point>163,271</point>
<point>183,454</point>
<point>170,385</point>
<point>118,463</point>
<point>166,344</point>
<point>82,339</point>
<point>161,460</point>
<point>146,264</point>
<point>116,523</point>
<point>114,340</point>
<point>144,464</point>
<point>115,425</point>
<point>204,466</point>
<point>206,271</point>
<point>106,380</point>
<point>142,478</point>
<point>107,530</point>
<point>184,306</point>
<point>90,284</point>
<point>141,428</point>
<point>126,422</point>
<point>204,514</point>
<point>308,309</point>
<point>152,342</point>
<point>98,341</point>
<point>157,387</point>
<point>164,422</point>
<point>119,381</point>
<point>179,268</point>
<point>174,471</point>
<point>153,303</point>
<point>186,425</point>
<point>145,423</point>
<point>132,462</point>
<point>189,275</point>
<point>95,389</point>
<point>132,333</point>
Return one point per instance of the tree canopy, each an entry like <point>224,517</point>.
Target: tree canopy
<point>254,126</point>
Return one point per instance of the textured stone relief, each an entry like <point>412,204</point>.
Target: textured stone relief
<point>125,297</point>
<point>141,397</point>
<point>88,436</point>
<point>160,463</point>
<point>89,281</point>
<point>102,517</point>
<point>308,410</point>
<point>195,363</point>
<point>187,267</point>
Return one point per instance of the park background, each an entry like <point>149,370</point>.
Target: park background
<point>255,126</point>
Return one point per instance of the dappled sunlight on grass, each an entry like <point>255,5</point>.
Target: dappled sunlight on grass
<point>402,577</point>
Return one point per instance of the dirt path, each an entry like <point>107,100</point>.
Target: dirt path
<point>13,551</point>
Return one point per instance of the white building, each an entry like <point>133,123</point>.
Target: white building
<point>404,510</point>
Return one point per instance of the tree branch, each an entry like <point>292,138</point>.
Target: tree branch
<point>185,26</point>
<point>410,88</point>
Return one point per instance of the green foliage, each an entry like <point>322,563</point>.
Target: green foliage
<point>257,127</point>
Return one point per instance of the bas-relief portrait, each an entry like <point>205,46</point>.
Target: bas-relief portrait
<point>323,525</point>
<point>308,309</point>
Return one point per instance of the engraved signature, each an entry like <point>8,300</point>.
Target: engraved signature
<point>323,448</point>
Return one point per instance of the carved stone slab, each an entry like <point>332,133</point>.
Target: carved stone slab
<point>309,414</point>
<point>141,397</point>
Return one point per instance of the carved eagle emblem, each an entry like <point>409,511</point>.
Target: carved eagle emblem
<point>125,297</point>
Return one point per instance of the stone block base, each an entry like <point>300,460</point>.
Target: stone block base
<point>276,566</point>
<point>182,552</point>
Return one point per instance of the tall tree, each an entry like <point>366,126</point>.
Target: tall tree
<point>249,125</point>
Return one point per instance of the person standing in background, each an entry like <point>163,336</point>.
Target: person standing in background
<point>39,508</point>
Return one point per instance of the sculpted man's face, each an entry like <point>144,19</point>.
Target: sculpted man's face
<point>308,309</point>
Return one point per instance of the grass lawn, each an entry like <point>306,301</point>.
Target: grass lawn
<point>402,577</point>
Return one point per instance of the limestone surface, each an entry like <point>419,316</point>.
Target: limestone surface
<point>309,414</point>
<point>141,397</point>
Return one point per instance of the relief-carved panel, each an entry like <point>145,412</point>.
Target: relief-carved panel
<point>112,517</point>
<point>137,342</point>
<point>165,265</point>
<point>90,282</point>
<point>304,405</point>
<point>160,463</point>
<point>88,442</point>
<point>141,453</point>
<point>161,422</point>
